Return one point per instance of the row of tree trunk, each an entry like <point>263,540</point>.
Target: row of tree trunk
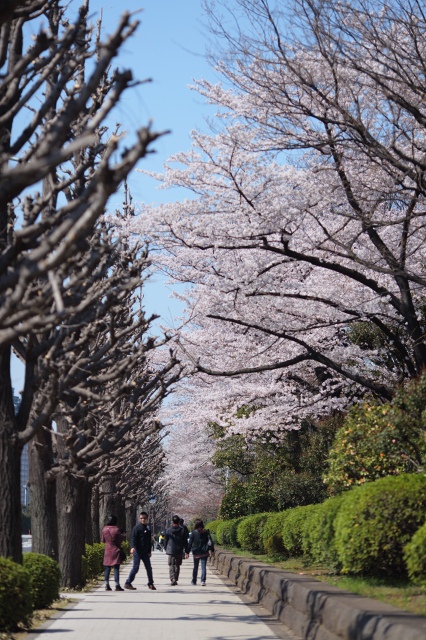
<point>70,284</point>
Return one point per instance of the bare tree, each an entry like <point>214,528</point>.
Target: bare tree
<point>109,382</point>
<point>51,256</point>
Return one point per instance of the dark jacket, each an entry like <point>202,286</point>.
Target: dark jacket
<point>176,541</point>
<point>200,543</point>
<point>141,539</point>
<point>113,539</point>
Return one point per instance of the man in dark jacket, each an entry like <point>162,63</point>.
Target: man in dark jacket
<point>176,545</point>
<point>140,544</point>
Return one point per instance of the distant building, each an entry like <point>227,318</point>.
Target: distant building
<point>24,462</point>
<point>25,474</point>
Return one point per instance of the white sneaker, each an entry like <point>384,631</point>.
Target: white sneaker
<point>203,584</point>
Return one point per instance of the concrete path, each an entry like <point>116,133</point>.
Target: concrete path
<point>213,612</point>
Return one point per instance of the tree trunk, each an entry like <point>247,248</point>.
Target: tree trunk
<point>120,511</point>
<point>107,502</point>
<point>89,526</point>
<point>43,495</point>
<point>94,520</point>
<point>130,518</point>
<point>71,496</point>
<point>10,467</point>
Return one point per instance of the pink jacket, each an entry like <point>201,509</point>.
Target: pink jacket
<point>112,538</point>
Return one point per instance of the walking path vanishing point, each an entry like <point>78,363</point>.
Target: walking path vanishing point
<point>213,612</point>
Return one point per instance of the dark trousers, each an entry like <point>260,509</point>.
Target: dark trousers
<point>197,561</point>
<point>174,567</point>
<point>136,564</point>
<point>107,572</point>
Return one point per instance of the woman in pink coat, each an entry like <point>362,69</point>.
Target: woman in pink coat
<point>113,538</point>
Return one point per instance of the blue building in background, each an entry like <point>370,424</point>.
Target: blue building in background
<point>24,461</point>
<point>25,494</point>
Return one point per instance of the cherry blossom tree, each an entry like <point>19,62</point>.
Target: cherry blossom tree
<point>304,229</point>
<point>193,485</point>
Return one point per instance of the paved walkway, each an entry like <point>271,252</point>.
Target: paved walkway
<point>213,612</point>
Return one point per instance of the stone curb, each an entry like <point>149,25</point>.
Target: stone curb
<point>315,610</point>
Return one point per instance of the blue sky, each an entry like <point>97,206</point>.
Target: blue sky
<point>169,47</point>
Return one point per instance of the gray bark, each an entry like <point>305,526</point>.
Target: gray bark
<point>71,508</point>
<point>43,495</point>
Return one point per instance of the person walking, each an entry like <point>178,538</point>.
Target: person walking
<point>201,545</point>
<point>140,547</point>
<point>176,545</point>
<point>161,541</point>
<point>113,538</point>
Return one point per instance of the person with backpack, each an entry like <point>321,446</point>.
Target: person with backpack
<point>201,545</point>
<point>161,540</point>
<point>176,546</point>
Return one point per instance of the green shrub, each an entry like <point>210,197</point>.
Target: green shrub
<point>309,514</point>
<point>415,557</point>
<point>376,521</point>
<point>259,495</point>
<point>234,503</point>
<point>212,527</point>
<point>125,545</point>
<point>273,533</point>
<point>378,440</point>
<point>249,532</point>
<point>45,578</point>
<point>407,412</point>
<point>92,561</point>
<point>295,534</point>
<point>15,595</point>
<point>322,533</point>
<point>300,489</point>
<point>219,532</point>
<point>229,532</point>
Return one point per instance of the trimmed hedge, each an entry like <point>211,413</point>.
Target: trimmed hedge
<point>272,534</point>
<point>125,545</point>
<point>295,531</point>
<point>45,578</point>
<point>376,521</point>
<point>250,530</point>
<point>218,537</point>
<point>376,529</point>
<point>212,527</point>
<point>15,595</point>
<point>307,540</point>
<point>322,533</point>
<point>415,557</point>
<point>226,532</point>
<point>92,561</point>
